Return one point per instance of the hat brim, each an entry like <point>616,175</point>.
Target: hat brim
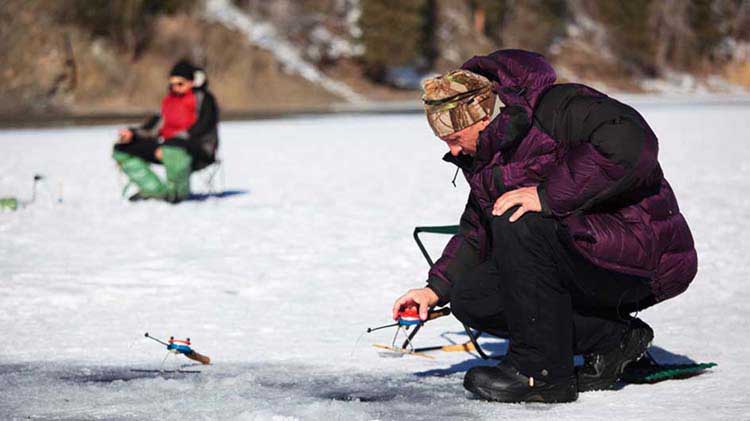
<point>455,114</point>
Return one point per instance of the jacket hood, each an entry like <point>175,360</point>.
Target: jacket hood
<point>519,79</point>
<point>200,80</point>
<point>516,73</point>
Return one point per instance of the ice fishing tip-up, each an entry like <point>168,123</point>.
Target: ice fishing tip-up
<point>181,346</point>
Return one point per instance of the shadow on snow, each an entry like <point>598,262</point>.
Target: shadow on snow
<point>200,197</point>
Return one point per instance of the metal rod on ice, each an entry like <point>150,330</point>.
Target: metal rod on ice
<point>372,329</point>
<point>151,337</point>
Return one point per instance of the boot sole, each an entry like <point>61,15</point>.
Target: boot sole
<point>636,351</point>
<point>541,394</point>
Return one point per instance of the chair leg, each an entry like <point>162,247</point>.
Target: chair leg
<point>223,176</point>
<point>210,181</point>
<point>473,339</point>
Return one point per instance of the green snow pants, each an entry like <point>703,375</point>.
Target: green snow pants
<point>177,163</point>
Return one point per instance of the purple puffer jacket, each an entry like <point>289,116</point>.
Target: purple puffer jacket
<point>594,161</point>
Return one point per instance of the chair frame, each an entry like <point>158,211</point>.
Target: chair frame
<point>451,230</point>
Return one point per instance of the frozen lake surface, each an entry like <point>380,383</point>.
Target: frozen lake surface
<point>277,282</point>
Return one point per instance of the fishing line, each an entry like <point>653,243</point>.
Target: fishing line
<point>354,348</point>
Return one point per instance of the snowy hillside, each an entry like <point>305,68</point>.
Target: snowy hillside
<point>264,35</point>
<point>277,282</point>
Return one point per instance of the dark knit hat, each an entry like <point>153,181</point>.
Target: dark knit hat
<point>183,68</point>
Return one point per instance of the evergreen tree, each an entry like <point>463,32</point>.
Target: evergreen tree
<point>127,23</point>
<point>533,24</point>
<point>630,34</point>
<point>394,33</point>
<point>704,21</point>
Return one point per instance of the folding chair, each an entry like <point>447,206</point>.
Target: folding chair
<point>209,175</point>
<point>450,230</point>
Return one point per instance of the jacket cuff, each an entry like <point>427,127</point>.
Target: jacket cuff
<point>497,179</point>
<point>441,288</point>
<point>541,191</point>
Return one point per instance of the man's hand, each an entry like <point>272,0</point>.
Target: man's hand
<point>125,135</point>
<point>526,197</point>
<point>423,298</point>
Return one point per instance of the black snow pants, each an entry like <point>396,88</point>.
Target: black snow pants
<point>145,147</point>
<point>545,297</point>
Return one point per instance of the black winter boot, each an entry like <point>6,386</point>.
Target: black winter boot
<point>138,197</point>
<point>602,371</point>
<point>503,383</point>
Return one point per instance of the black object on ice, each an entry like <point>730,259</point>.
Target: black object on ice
<point>37,178</point>
<point>180,371</point>
<point>601,371</point>
<point>647,370</point>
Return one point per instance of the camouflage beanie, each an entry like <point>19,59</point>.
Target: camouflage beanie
<point>456,100</point>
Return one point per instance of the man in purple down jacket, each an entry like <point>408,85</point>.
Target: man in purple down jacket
<point>569,227</point>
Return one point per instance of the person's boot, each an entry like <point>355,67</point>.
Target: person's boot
<point>138,171</point>
<point>504,383</point>
<point>602,371</point>
<point>178,164</point>
<point>138,197</point>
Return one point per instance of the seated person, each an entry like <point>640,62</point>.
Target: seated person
<point>183,137</point>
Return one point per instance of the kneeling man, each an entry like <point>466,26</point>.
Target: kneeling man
<point>569,227</point>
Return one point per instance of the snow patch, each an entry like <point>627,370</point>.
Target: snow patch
<point>265,35</point>
<point>325,43</point>
<point>681,83</point>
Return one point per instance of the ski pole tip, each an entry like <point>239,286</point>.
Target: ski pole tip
<point>146,334</point>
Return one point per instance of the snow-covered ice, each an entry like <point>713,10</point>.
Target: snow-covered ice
<point>277,284</point>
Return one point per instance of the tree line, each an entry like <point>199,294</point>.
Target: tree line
<point>646,36</point>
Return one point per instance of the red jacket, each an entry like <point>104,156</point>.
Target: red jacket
<point>179,114</point>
